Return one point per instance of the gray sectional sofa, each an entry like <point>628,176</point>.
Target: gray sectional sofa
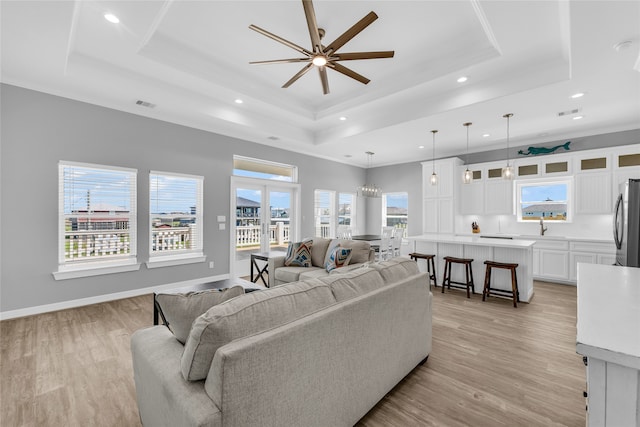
<point>320,352</point>
<point>280,274</point>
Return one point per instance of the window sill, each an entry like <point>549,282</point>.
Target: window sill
<point>94,269</point>
<point>171,260</point>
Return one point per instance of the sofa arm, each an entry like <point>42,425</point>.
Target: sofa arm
<point>274,262</point>
<point>164,397</point>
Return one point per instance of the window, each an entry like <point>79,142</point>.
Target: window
<point>395,210</point>
<point>347,210</point>
<point>263,169</point>
<point>97,220</point>
<point>324,213</point>
<point>544,199</point>
<point>175,218</point>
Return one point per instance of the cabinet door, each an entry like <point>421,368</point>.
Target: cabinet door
<point>607,259</point>
<point>430,214</point>
<point>554,264</point>
<point>498,196</point>
<point>577,257</point>
<point>536,262</point>
<point>593,193</point>
<point>472,198</point>
<point>446,180</point>
<point>446,216</point>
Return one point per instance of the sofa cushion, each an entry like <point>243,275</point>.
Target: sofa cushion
<point>339,257</point>
<point>292,274</point>
<point>396,269</point>
<point>250,314</point>
<point>313,273</point>
<point>319,251</point>
<point>354,283</point>
<point>359,250</point>
<point>180,310</point>
<point>299,254</point>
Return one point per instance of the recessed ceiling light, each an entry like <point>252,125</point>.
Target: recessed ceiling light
<point>462,79</point>
<point>486,135</point>
<point>421,146</point>
<point>343,118</point>
<point>111,18</point>
<point>577,117</point>
<point>577,95</point>
<point>238,101</point>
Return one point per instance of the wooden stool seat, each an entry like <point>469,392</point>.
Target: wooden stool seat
<point>488,290</point>
<point>446,280</point>
<point>431,266</point>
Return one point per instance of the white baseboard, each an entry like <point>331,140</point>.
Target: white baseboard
<point>30,311</point>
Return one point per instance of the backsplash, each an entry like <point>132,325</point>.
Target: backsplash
<point>583,226</point>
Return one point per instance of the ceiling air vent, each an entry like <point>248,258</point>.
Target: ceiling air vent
<point>273,138</point>
<point>567,113</point>
<point>145,104</point>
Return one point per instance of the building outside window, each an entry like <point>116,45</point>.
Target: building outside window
<point>546,200</point>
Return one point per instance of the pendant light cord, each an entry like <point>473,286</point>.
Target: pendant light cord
<point>433,155</point>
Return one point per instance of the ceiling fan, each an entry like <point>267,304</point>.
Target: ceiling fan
<point>323,57</point>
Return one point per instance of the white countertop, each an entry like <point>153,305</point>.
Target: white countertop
<point>609,313</point>
<point>473,240</point>
<point>545,237</point>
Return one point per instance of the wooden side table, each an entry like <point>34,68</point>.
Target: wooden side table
<point>219,284</point>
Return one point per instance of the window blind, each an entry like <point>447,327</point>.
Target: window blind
<point>175,214</point>
<point>97,213</point>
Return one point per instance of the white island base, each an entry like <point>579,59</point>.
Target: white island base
<point>608,334</point>
<point>481,250</point>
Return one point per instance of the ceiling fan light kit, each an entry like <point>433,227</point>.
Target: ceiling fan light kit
<point>321,56</point>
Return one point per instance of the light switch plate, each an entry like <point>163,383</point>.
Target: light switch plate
<point>222,226</point>
<point>222,218</point>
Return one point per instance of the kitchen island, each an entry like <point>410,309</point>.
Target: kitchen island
<point>481,250</point>
<point>608,334</point>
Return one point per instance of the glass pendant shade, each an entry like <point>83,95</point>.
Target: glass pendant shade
<point>507,171</point>
<point>434,179</point>
<point>467,177</point>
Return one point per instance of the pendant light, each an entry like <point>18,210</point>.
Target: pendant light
<point>507,171</point>
<point>467,178</point>
<point>369,190</point>
<point>434,176</point>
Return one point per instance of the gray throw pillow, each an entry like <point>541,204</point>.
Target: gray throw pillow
<point>180,310</point>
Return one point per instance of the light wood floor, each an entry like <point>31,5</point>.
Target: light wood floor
<point>491,365</point>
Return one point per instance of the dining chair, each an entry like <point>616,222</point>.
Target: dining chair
<point>396,242</point>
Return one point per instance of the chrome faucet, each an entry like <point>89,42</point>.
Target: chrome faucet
<point>542,227</point>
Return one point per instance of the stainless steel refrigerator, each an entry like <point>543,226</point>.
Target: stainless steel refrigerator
<point>626,224</point>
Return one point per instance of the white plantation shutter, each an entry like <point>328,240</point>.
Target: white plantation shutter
<point>175,214</point>
<point>96,214</point>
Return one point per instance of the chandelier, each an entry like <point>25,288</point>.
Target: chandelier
<point>369,190</point>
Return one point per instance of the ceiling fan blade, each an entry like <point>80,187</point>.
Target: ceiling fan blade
<point>280,39</point>
<point>362,55</point>
<point>299,74</point>
<point>281,61</point>
<point>324,79</point>
<point>348,72</point>
<point>351,33</point>
<point>310,14</point>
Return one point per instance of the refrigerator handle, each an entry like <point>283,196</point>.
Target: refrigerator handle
<point>618,222</point>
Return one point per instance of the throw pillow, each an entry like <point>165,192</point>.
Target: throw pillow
<point>180,310</point>
<point>299,254</point>
<point>339,257</point>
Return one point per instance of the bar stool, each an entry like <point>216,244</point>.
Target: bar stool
<point>446,280</point>
<point>488,290</point>
<point>431,266</point>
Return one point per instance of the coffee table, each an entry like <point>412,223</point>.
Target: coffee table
<point>218,284</point>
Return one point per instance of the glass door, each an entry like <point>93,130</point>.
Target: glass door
<point>265,220</point>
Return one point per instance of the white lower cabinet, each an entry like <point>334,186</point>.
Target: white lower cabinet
<point>554,264</point>
<point>558,259</point>
<point>575,258</point>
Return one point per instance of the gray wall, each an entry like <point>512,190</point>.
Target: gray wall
<point>39,130</point>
